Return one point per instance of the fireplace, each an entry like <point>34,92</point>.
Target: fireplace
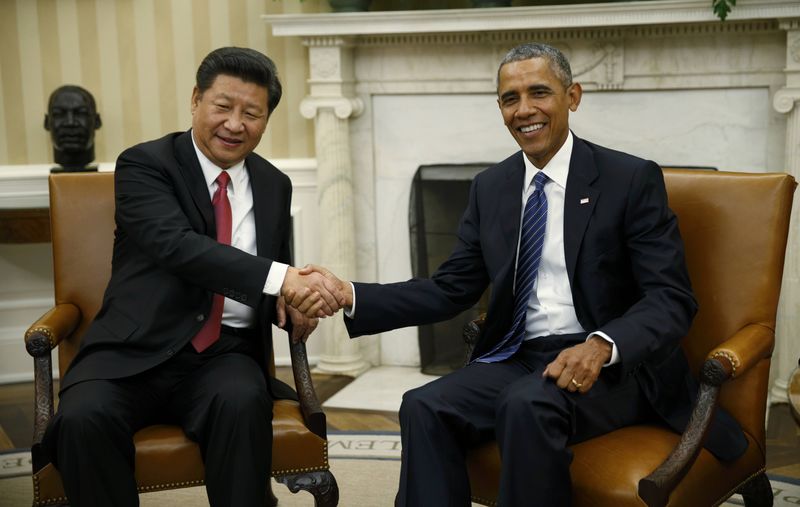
<point>439,195</point>
<point>663,79</point>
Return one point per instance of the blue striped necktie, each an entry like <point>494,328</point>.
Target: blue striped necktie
<point>531,241</point>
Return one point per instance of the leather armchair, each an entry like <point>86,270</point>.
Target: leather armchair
<point>82,224</point>
<point>735,228</point>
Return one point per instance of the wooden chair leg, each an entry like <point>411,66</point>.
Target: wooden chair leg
<point>321,484</point>
<point>757,492</point>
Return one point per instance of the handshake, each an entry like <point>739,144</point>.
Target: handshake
<point>315,292</point>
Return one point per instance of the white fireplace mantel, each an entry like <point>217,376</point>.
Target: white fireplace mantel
<point>663,79</point>
<point>609,14</point>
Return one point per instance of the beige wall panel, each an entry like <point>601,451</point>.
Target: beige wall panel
<point>3,118</point>
<point>201,29</point>
<point>187,58</point>
<point>165,52</point>
<point>129,72</point>
<point>13,110</point>
<point>219,28</point>
<point>34,107</point>
<point>48,41</point>
<point>91,64</point>
<point>237,23</point>
<point>149,104</point>
<point>109,139</point>
<point>69,45</point>
<point>138,58</point>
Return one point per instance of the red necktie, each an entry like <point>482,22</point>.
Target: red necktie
<point>222,215</point>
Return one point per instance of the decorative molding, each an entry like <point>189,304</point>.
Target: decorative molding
<point>785,99</point>
<point>554,35</point>
<point>611,14</point>
<point>343,107</point>
<point>25,186</point>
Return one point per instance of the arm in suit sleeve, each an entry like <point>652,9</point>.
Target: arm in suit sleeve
<point>455,286</point>
<point>654,324</point>
<point>152,210</point>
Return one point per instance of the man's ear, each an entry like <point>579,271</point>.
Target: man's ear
<point>47,122</point>
<point>97,121</point>
<point>575,93</point>
<point>196,96</point>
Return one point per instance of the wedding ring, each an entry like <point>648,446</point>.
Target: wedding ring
<point>576,384</point>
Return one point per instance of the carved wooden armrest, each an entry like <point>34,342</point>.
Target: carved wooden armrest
<point>746,348</point>
<point>40,339</point>
<point>47,332</point>
<point>731,358</point>
<point>309,404</point>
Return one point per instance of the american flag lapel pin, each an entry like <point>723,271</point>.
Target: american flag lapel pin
<point>585,200</point>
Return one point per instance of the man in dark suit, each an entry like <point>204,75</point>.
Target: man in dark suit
<point>200,263</point>
<point>590,297</point>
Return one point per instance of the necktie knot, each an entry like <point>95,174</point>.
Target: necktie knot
<point>223,179</point>
<point>540,179</point>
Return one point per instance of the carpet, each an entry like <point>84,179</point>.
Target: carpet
<point>366,467</point>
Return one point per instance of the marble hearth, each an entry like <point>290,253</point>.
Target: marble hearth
<point>664,79</point>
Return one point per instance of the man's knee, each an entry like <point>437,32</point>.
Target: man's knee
<point>244,400</point>
<point>416,402</point>
<point>528,400</point>
<point>84,415</point>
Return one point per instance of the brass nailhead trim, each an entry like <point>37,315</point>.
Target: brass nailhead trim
<point>324,466</point>
<point>186,484</point>
<point>37,502</point>
<point>45,331</point>
<point>170,485</point>
<point>731,492</point>
<point>731,359</point>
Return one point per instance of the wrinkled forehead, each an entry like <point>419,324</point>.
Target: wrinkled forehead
<point>70,100</point>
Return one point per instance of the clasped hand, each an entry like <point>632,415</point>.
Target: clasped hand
<point>314,291</point>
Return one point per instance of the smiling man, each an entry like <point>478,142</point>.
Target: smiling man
<point>200,263</point>
<point>589,299</point>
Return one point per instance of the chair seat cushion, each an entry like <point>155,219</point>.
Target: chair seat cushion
<point>166,459</point>
<point>606,470</point>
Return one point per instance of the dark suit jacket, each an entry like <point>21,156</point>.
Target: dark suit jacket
<point>625,262</point>
<point>167,263</point>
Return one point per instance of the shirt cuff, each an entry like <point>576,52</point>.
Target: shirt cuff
<point>614,351</point>
<point>351,312</point>
<point>277,272</point>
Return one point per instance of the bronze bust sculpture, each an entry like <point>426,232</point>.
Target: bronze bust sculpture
<point>71,120</point>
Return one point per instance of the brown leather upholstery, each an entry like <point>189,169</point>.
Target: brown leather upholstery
<point>735,229</point>
<point>82,217</point>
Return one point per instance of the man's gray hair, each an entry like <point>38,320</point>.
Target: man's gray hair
<point>558,62</point>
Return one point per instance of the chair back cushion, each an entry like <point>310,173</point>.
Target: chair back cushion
<point>734,226</point>
<point>82,229</point>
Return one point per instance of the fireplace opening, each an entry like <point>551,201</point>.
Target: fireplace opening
<point>439,195</point>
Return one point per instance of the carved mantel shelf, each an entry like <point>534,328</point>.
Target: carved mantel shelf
<point>612,14</point>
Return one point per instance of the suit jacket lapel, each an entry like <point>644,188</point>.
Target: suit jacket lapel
<point>510,207</point>
<point>579,201</point>
<point>195,181</point>
<point>262,202</point>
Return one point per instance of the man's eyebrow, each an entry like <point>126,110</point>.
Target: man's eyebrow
<point>509,94</point>
<point>539,88</point>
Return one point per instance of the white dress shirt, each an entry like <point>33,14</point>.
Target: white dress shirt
<point>243,234</point>
<point>551,310</point>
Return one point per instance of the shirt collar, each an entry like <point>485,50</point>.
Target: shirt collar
<point>558,167</point>
<point>211,171</point>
